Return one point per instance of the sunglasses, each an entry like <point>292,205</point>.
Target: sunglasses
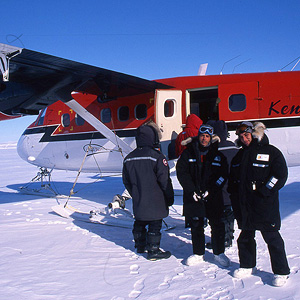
<point>206,129</point>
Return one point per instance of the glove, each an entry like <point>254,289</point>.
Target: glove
<point>201,197</point>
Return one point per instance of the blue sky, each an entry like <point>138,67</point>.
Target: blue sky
<point>155,38</point>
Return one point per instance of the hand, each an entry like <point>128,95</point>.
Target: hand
<point>197,197</point>
<point>201,197</point>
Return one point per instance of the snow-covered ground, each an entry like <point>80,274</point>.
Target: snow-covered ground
<point>45,256</point>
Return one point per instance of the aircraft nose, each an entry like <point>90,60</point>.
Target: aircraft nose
<point>22,149</point>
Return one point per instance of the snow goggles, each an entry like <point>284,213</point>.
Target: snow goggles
<point>206,129</point>
<point>244,127</point>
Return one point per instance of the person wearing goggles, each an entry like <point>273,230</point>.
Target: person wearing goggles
<point>258,171</point>
<point>205,135</point>
<point>202,171</point>
<point>206,129</point>
<point>244,131</point>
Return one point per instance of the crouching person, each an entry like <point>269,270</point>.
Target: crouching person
<point>146,176</point>
<point>202,171</point>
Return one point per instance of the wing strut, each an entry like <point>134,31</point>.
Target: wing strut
<point>6,53</point>
<point>98,125</point>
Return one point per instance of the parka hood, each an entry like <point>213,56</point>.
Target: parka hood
<point>148,135</point>
<point>220,128</point>
<point>189,140</point>
<point>193,122</point>
<point>258,134</point>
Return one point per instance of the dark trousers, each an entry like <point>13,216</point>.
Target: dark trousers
<point>228,220</point>
<point>217,236</point>
<point>142,237</point>
<point>247,250</point>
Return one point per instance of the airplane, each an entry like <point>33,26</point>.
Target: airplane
<point>88,116</point>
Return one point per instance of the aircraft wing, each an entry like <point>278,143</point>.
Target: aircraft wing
<point>31,81</point>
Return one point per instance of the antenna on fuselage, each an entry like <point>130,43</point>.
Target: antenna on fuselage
<point>240,64</point>
<point>291,63</point>
<point>227,62</point>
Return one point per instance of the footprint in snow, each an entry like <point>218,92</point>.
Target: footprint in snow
<point>132,256</point>
<point>134,269</point>
<point>238,283</point>
<point>137,289</point>
<point>166,283</point>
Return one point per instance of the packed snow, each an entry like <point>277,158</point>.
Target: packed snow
<point>45,256</point>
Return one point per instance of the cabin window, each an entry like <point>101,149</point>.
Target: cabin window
<point>140,111</point>
<point>105,115</point>
<point>169,108</point>
<point>79,120</point>
<point>237,102</point>
<point>65,120</point>
<point>123,113</point>
<point>42,117</point>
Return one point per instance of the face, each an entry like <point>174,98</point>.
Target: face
<point>246,138</point>
<point>204,139</point>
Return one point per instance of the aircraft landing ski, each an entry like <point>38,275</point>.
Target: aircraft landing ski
<point>123,220</point>
<point>117,218</point>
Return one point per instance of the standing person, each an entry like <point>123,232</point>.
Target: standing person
<point>202,171</point>
<point>257,173</point>
<point>229,149</point>
<point>146,176</point>
<point>193,123</point>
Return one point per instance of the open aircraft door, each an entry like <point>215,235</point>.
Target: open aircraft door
<point>168,117</point>
<point>239,101</point>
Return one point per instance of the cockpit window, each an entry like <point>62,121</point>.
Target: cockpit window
<point>41,119</point>
<point>65,120</point>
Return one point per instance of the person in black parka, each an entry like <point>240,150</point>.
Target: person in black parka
<point>257,173</point>
<point>229,149</point>
<point>146,176</point>
<point>202,172</point>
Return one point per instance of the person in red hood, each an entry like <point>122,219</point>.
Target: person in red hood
<point>193,123</point>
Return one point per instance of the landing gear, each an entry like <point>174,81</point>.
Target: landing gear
<point>45,189</point>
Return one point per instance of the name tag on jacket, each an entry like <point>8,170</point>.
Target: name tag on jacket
<point>263,157</point>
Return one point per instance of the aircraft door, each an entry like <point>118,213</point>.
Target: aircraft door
<point>168,116</point>
<point>239,101</point>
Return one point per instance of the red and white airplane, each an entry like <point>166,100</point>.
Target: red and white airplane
<point>85,112</point>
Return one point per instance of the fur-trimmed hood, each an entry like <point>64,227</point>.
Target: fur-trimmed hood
<point>258,133</point>
<point>148,134</point>
<point>214,139</point>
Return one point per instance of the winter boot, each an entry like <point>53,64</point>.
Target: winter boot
<point>194,260</point>
<point>208,245</point>
<point>279,280</point>
<point>153,242</point>
<point>222,260</point>
<point>140,241</point>
<point>243,272</point>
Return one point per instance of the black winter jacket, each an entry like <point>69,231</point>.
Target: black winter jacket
<point>228,148</point>
<point>199,173</point>
<point>257,173</point>
<point>146,177</point>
